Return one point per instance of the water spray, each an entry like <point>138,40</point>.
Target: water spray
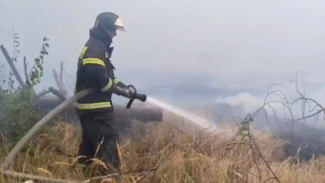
<point>198,121</point>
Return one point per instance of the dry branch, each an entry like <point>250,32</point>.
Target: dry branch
<point>33,177</point>
<point>12,66</point>
<point>25,71</point>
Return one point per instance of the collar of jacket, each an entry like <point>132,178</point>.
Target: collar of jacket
<point>104,38</point>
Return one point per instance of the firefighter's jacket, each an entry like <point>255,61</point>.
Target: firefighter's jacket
<point>96,71</point>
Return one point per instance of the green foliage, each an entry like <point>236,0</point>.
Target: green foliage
<point>17,114</point>
<point>37,70</point>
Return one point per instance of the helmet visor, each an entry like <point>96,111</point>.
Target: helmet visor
<point>119,25</point>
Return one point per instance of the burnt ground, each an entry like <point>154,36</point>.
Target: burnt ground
<point>304,141</point>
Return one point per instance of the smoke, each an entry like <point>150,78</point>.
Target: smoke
<point>245,100</point>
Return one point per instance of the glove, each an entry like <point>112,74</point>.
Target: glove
<point>131,91</point>
<point>128,92</point>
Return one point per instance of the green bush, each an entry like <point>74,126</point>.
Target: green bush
<point>17,113</point>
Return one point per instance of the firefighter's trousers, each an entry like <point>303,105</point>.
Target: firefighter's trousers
<point>99,138</point>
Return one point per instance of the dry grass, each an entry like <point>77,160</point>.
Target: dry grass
<point>165,152</point>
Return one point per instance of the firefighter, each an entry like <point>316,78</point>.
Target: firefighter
<point>95,111</point>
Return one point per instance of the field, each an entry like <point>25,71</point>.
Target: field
<point>169,151</point>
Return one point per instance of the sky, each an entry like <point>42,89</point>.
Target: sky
<point>233,44</point>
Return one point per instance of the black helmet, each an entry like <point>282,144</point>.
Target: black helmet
<point>108,21</point>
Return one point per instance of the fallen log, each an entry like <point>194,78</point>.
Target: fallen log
<point>141,113</point>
